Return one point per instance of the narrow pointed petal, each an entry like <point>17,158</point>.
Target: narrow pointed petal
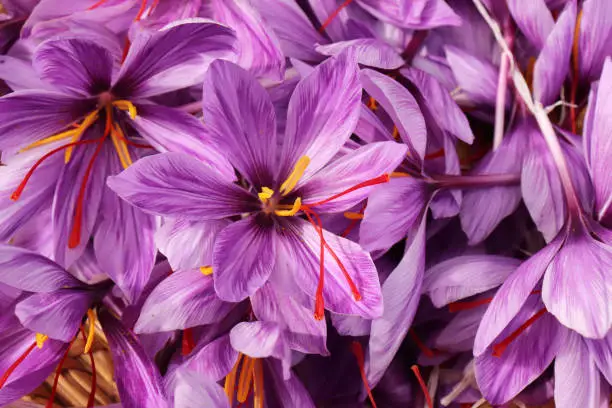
<point>19,74</point>
<point>174,184</point>
<point>365,163</point>
<point>58,314</point>
<point>212,360</point>
<point>476,77</point>
<point>401,106</point>
<point>535,21</point>
<point>581,302</point>
<point>240,118</point>
<point>465,276</point>
<point>410,14</point>
<point>370,52</point>
<point>552,65</point>
<point>513,294</point>
<point>593,44</point>
<point>192,392</point>
<point>401,294</point>
<point>175,57</point>
<point>138,379</point>
<point>313,128</point>
<point>601,351</point>
<point>26,270</point>
<point>75,66</point>
<point>182,300</point>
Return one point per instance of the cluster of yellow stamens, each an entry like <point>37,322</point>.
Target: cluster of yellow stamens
<point>287,210</point>
<point>251,373</point>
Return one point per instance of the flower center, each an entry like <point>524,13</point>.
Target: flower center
<point>251,373</point>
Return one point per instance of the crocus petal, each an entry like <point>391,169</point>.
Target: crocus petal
<point>175,57</point>
<point>258,48</point>
<point>174,184</point>
<point>19,74</point>
<point>369,51</point>
<point>26,270</point>
<point>295,32</point>
<point>367,162</point>
<point>401,294</point>
<point>465,276</point>
<point>401,106</point>
<point>577,379</point>
<point>287,392</point>
<point>475,77</point>
<point>370,128</point>
<point>303,332</point>
<point>74,65</point>
<point>188,244</point>
<point>393,209</point>
<point>500,378</point>
<point>552,64</point>
<point>334,18</point>
<point>182,300</point>
<point>535,21</point>
<point>240,118</point>
<point>601,351</point>
<point>67,196</point>
<point>598,144</point>
<point>593,41</point>
<point>57,314</point>
<point>123,240</point>
<point>28,116</point>
<point>171,130</point>
<point>322,114</point>
<point>243,258</point>
<point>511,296</point>
<point>192,392</point>
<point>484,208</point>
<point>261,340</point>
<point>410,14</point>
<point>138,380</point>
<point>303,246</point>
<point>458,334</point>
<point>581,302</point>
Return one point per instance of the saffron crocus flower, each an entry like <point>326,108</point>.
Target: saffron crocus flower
<point>97,120</point>
<point>278,187</point>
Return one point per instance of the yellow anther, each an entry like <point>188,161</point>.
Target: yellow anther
<point>396,174</point>
<point>258,385</point>
<point>89,120</point>
<point>206,270</point>
<point>91,315</point>
<point>51,139</point>
<point>396,134</point>
<point>294,209</point>
<point>266,193</point>
<point>40,339</point>
<point>121,146</point>
<point>353,215</point>
<point>126,106</point>
<point>575,45</point>
<point>296,174</point>
<point>230,381</point>
<point>246,379</point>
<point>372,103</point>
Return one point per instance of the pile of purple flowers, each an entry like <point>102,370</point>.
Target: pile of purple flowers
<point>300,203</point>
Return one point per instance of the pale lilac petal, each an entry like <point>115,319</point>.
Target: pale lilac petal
<point>369,51</point>
<point>401,106</point>
<point>513,294</point>
<point>295,32</point>
<point>175,57</point>
<point>303,332</point>
<point>138,379</point>
<point>401,294</point>
<point>182,300</point>
<point>577,286</point>
<point>336,20</point>
<point>57,314</point>
<point>240,118</point>
<point>302,244</point>
<point>26,270</point>
<point>524,360</point>
<point>422,14</point>
<point>577,379</point>
<point>365,163</point>
<point>601,351</point>
<point>188,244</point>
<point>212,360</point>
<point>74,65</point>
<point>174,184</point>
<point>393,209</point>
<point>370,128</point>
<point>243,258</point>
<point>258,48</point>
<point>465,276</point>
<point>28,116</point>
<point>287,392</point>
<point>535,21</point>
<point>476,78</point>
<point>351,325</point>
<point>552,65</point>
<point>322,114</point>
<point>19,74</point>
<point>171,130</point>
<point>459,333</point>
<point>192,392</point>
<point>594,39</point>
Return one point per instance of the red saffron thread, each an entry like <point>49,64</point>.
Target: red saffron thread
<point>333,15</point>
<point>357,351</point>
<point>188,343</point>
<point>417,373</point>
<point>499,348</point>
<point>15,364</point>
<point>58,371</point>
<point>353,223</point>
<point>372,182</point>
<point>420,344</point>
<point>319,313</point>
<point>435,155</point>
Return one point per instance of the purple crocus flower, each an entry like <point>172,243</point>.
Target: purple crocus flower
<point>277,185</point>
<point>102,117</point>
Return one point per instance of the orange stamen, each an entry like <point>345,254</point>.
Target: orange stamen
<point>333,15</point>
<point>372,103</point>
<point>499,348</point>
<point>15,364</point>
<point>92,394</point>
<point>372,182</point>
<point>188,343</point>
<point>357,350</point>
<point>435,155</point>
<point>353,223</point>
<point>58,371</point>
<point>575,68</point>
<point>258,385</point>
<point>417,373</point>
